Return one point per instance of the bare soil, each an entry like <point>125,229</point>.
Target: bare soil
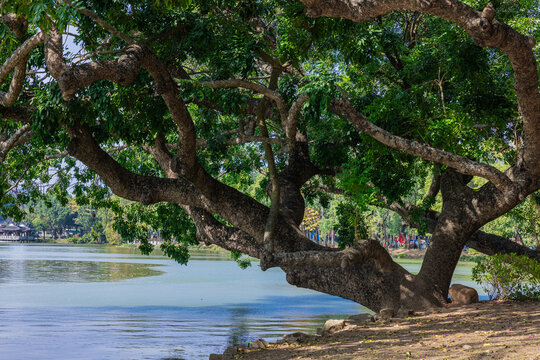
<point>486,330</point>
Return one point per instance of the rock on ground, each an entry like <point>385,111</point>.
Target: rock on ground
<point>462,295</point>
<point>333,325</point>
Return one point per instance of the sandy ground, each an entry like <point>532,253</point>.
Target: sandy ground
<point>487,330</point>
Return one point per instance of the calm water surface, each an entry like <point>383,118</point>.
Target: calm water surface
<point>83,302</point>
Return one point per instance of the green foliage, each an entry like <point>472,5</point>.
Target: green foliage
<point>523,221</point>
<point>145,247</point>
<point>509,276</point>
<point>177,252</point>
<point>352,226</point>
<point>49,215</point>
<point>242,263</point>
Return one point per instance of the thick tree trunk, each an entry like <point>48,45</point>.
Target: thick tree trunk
<point>442,256</point>
<point>455,225</point>
<point>362,283</point>
<point>367,285</point>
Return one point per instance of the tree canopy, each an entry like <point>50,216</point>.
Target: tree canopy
<point>219,119</point>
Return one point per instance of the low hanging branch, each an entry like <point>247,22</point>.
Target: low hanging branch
<point>124,183</point>
<point>361,252</point>
<point>211,231</point>
<point>57,155</point>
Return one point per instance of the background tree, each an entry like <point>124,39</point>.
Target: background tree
<point>50,216</point>
<point>177,107</point>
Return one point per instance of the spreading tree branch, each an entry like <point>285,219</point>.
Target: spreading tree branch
<point>126,184</point>
<point>485,30</point>
<point>22,135</point>
<point>269,93</point>
<point>20,55</point>
<point>292,118</point>
<point>17,62</point>
<point>211,231</point>
<point>463,165</point>
<point>365,250</point>
<point>101,22</point>
<point>185,163</point>
<point>481,241</point>
<point>123,71</point>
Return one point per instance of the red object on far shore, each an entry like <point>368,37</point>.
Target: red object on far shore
<point>400,239</point>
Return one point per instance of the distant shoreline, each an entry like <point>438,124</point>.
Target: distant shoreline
<point>401,253</point>
<point>419,254</point>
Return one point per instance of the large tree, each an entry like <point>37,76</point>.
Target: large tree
<point>179,106</point>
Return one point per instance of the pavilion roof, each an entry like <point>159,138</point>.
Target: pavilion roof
<point>10,225</point>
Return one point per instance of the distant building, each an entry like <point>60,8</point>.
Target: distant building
<point>12,231</point>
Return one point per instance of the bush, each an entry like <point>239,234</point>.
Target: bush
<point>509,276</point>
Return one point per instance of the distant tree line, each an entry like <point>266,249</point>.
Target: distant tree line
<point>349,220</point>
<point>78,223</point>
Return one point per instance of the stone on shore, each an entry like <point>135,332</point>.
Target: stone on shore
<point>462,295</point>
<point>333,325</point>
<point>260,344</point>
<point>297,338</point>
<point>361,318</point>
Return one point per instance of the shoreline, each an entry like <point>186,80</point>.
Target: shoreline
<point>396,254</point>
<point>485,330</point>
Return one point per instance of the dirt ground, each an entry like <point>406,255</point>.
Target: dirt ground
<point>487,330</point>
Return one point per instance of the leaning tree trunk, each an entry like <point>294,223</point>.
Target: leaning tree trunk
<point>390,285</point>
<point>442,255</point>
<point>365,284</point>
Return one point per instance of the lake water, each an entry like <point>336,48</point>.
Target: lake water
<point>97,302</point>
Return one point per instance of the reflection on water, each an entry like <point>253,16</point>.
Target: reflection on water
<point>42,271</point>
<point>84,302</point>
<point>90,302</point>
<point>139,333</point>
